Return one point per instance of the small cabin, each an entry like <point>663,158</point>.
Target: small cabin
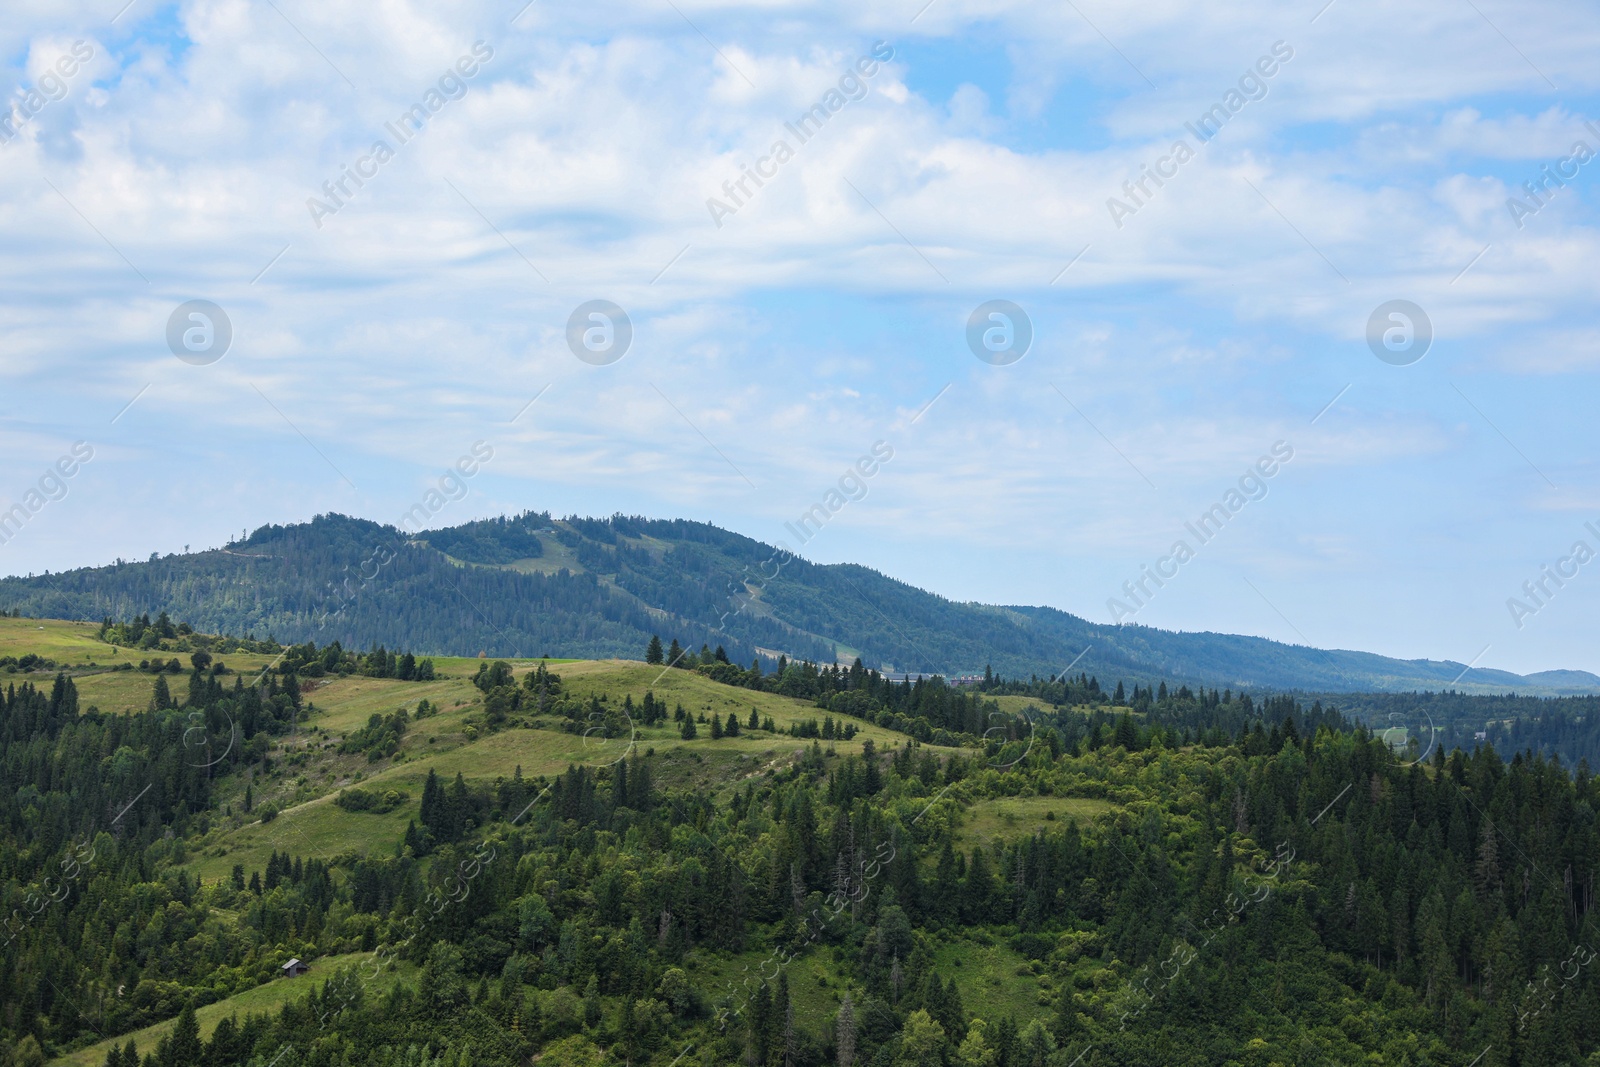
<point>295,968</point>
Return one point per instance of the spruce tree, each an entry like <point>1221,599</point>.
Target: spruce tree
<point>688,732</point>
<point>432,814</point>
<point>185,1047</point>
<point>844,1031</point>
<point>653,653</point>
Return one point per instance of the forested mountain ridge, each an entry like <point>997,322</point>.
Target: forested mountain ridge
<point>529,585</point>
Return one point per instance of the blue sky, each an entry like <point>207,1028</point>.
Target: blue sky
<point>1223,316</point>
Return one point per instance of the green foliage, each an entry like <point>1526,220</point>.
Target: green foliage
<point>367,584</point>
<point>380,738</point>
<point>1190,884</point>
<point>378,802</point>
<point>492,541</point>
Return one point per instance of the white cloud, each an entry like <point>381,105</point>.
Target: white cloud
<point>817,318</point>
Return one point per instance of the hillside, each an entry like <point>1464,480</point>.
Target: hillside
<point>530,586</point>
<point>496,863</point>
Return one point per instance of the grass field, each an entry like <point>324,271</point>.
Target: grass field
<point>815,985</point>
<point>309,770</point>
<point>263,998</point>
<point>64,642</point>
<point>451,742</point>
<point>1010,818</point>
<point>995,981</point>
<point>75,644</point>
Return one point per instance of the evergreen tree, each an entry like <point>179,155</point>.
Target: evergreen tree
<point>184,1049</point>
<point>433,815</point>
<point>844,1033</point>
<point>653,654</point>
<point>688,731</point>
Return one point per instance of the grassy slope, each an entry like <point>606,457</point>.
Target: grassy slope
<point>1009,818</point>
<point>311,824</point>
<point>310,770</point>
<point>64,642</point>
<point>993,979</point>
<point>266,998</point>
<point>76,649</point>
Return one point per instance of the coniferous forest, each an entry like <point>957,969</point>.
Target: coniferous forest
<point>532,585</point>
<point>838,869</point>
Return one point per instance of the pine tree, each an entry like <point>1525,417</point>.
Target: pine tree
<point>653,654</point>
<point>844,1030</point>
<point>755,720</point>
<point>872,780</point>
<point>761,1023</point>
<point>688,732</point>
<point>185,1048</point>
<point>591,1002</point>
<point>733,725</point>
<point>674,653</point>
<point>716,727</point>
<point>432,814</point>
<point>1127,734</point>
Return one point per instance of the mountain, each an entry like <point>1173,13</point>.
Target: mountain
<point>530,585</point>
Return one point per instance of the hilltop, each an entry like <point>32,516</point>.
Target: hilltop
<point>531,585</point>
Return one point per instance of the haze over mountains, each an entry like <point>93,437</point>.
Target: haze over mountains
<point>529,585</point>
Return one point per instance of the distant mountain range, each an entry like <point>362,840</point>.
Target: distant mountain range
<point>530,585</point>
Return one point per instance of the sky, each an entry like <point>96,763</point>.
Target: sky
<point>1340,277</point>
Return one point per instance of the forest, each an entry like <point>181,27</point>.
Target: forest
<point>534,585</point>
<point>1198,878</point>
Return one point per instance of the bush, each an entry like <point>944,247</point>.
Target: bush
<point>371,800</point>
